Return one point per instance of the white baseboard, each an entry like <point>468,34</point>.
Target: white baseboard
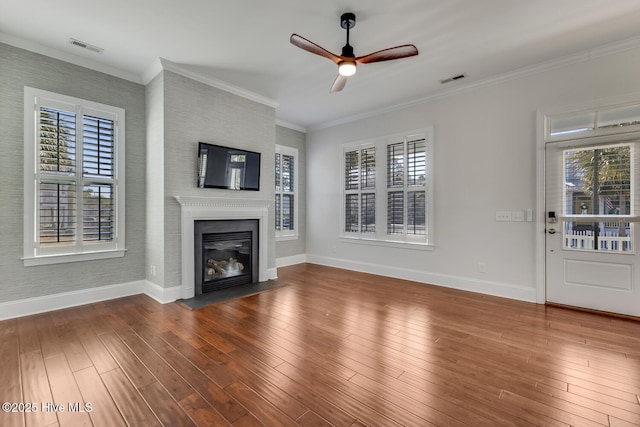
<point>28,306</point>
<point>456,282</point>
<point>291,260</point>
<point>272,273</point>
<point>160,294</point>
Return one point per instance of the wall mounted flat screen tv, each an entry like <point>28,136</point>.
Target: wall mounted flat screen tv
<point>228,168</point>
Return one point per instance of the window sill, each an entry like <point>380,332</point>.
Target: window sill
<point>287,237</point>
<point>388,243</point>
<point>64,258</point>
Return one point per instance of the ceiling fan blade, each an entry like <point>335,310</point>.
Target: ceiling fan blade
<point>397,52</point>
<point>338,84</point>
<point>310,46</point>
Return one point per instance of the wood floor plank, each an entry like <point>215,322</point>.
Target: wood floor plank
<point>166,409</point>
<point>28,334</point>
<point>131,365</point>
<point>202,412</point>
<point>311,419</point>
<point>103,411</point>
<point>50,344</point>
<point>98,353</point>
<point>213,368</point>
<point>65,392</point>
<point>132,406</point>
<point>36,389</point>
<point>161,370</point>
<point>10,384</point>
<point>259,406</point>
<point>74,351</point>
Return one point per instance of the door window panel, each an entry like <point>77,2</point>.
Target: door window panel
<point>598,183</point>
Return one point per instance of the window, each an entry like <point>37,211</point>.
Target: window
<point>74,188</point>
<point>598,197</point>
<point>601,122</point>
<point>286,203</point>
<point>387,189</point>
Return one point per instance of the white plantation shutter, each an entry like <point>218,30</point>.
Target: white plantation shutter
<point>396,194</point>
<point>97,213</point>
<point>395,212</point>
<point>62,210</point>
<point>286,189</point>
<point>406,187</point>
<point>360,190</point>
<point>57,132</point>
<point>352,208</point>
<point>416,162</point>
<point>98,147</point>
<point>58,213</point>
<point>416,213</point>
<point>79,206</point>
<point>351,170</point>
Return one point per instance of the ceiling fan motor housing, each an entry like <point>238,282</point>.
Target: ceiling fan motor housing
<point>348,20</point>
<point>347,50</point>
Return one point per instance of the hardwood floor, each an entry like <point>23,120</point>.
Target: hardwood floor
<point>331,347</point>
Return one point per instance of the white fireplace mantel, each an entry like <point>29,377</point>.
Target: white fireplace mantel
<point>216,208</point>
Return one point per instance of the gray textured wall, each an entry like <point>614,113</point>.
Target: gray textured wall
<point>195,112</point>
<point>296,139</point>
<point>19,68</point>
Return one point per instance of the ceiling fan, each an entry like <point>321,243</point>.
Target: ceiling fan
<point>347,61</point>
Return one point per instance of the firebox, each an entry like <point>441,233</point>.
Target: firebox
<point>226,254</point>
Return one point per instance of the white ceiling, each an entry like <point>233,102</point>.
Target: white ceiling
<point>245,43</point>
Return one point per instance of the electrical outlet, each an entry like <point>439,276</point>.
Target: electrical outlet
<point>482,267</point>
<point>503,216</point>
<point>517,216</point>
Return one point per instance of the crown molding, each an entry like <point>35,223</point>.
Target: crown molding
<point>605,50</point>
<point>291,126</point>
<point>68,57</point>
<point>162,64</point>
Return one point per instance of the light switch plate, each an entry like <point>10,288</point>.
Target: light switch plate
<point>503,216</point>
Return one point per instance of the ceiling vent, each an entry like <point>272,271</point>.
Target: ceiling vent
<point>87,46</point>
<point>452,79</point>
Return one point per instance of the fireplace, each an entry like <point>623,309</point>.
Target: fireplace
<point>226,254</point>
<point>194,209</point>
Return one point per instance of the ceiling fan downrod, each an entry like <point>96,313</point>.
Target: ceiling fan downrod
<point>348,21</point>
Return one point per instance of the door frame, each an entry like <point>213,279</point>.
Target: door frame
<point>540,210</point>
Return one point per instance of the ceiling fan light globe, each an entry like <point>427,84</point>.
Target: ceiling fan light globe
<point>347,68</point>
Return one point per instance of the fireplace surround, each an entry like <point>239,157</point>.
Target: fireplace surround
<point>213,208</point>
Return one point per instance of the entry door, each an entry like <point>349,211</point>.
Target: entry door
<point>592,244</point>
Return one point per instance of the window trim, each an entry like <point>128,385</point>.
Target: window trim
<point>34,255</point>
<point>284,235</point>
<point>381,237</point>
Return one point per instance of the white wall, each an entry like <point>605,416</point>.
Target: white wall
<point>485,161</point>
